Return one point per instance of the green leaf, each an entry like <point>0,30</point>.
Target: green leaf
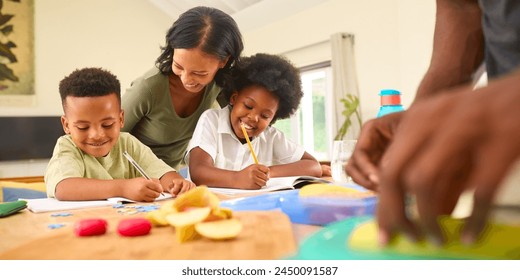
<point>351,104</point>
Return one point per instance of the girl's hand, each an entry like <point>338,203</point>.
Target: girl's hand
<point>252,177</point>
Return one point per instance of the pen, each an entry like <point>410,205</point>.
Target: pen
<point>134,163</point>
<point>249,142</point>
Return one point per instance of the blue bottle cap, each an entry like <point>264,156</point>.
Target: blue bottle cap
<point>389,92</point>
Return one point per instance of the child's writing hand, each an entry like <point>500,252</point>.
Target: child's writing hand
<point>325,170</point>
<point>180,185</point>
<point>141,189</point>
<point>252,177</point>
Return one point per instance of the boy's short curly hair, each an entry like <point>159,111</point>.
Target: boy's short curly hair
<point>274,73</point>
<point>89,82</point>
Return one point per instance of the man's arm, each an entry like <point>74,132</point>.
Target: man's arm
<point>458,47</point>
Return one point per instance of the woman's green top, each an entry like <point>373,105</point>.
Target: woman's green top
<point>151,117</point>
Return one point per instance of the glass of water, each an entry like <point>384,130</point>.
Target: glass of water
<point>341,153</point>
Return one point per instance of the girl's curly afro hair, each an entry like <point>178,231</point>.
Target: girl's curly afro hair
<point>274,73</point>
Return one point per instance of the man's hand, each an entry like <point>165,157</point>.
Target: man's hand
<point>376,135</point>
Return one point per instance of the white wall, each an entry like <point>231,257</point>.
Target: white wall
<point>393,41</point>
<point>123,36</point>
<point>393,46</point>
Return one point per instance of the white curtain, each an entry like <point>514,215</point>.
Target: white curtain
<point>345,82</point>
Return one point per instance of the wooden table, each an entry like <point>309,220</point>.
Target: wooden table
<point>26,235</point>
<point>266,235</point>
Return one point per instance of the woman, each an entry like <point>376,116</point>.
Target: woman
<point>162,107</point>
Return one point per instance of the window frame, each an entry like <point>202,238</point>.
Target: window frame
<point>306,137</point>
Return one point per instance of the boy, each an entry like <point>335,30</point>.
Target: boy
<point>264,88</point>
<point>88,162</point>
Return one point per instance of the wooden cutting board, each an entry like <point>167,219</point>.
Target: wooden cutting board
<point>265,235</point>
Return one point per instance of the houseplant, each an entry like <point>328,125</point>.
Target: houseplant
<point>350,112</point>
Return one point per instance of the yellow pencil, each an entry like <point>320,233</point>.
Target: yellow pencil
<point>249,142</point>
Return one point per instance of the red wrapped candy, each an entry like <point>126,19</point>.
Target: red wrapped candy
<point>134,227</point>
<point>89,227</point>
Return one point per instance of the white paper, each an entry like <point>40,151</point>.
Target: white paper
<point>41,205</point>
<point>273,184</point>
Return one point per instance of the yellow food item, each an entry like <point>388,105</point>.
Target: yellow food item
<point>186,233</point>
<point>157,218</point>
<point>200,196</point>
<point>198,207</point>
<point>168,207</point>
<point>219,230</point>
<point>497,241</point>
<point>328,190</point>
<point>188,217</point>
<point>227,212</point>
<point>219,214</point>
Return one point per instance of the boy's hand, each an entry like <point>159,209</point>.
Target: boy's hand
<point>252,177</point>
<point>180,185</point>
<point>141,189</point>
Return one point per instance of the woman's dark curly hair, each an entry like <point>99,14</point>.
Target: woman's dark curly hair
<point>274,73</point>
<point>210,29</point>
<point>89,82</point>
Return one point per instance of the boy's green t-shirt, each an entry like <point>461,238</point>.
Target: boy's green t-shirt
<point>68,161</point>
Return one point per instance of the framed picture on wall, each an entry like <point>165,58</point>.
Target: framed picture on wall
<point>16,52</point>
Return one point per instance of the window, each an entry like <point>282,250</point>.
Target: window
<point>310,125</point>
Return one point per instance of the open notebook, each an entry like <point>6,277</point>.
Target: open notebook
<point>41,205</point>
<point>275,184</point>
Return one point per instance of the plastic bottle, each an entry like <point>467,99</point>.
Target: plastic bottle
<point>390,102</point>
